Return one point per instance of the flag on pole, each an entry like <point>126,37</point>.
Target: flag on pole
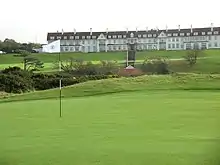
<point>53,47</point>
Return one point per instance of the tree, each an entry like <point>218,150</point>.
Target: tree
<point>192,55</point>
<point>155,66</point>
<point>33,64</point>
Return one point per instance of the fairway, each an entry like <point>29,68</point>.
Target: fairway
<point>143,127</point>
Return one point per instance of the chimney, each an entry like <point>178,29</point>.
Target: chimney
<point>62,32</point>
<point>127,30</point>
<point>212,27</point>
<point>191,29</point>
<point>90,31</point>
<point>146,29</point>
<point>74,31</point>
<point>106,30</point>
<point>166,28</point>
<point>136,29</point>
<point>179,27</point>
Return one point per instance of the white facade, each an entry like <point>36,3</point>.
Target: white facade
<point>177,39</point>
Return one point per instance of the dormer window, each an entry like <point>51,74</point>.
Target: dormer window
<point>209,33</point>
<point>145,35</point>
<point>181,34</point>
<point>88,37</point>
<point>175,34</point>
<point>169,35</point>
<point>124,36</point>
<point>203,33</point>
<point>215,32</point>
<point>76,37</point>
<point>83,37</point>
<point>139,36</point>
<point>65,37</point>
<point>58,37</point>
<point>149,35</point>
<point>52,38</point>
<point>93,37</point>
<point>109,37</point>
<point>188,34</point>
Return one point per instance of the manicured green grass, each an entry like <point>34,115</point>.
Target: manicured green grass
<point>174,127</point>
<point>145,120</point>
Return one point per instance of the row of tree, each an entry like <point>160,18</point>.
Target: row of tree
<point>11,46</point>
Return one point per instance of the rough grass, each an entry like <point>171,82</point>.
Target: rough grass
<point>146,120</point>
<point>143,83</point>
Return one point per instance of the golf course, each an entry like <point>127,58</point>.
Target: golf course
<point>152,119</point>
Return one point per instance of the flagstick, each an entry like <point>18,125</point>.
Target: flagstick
<point>60,87</point>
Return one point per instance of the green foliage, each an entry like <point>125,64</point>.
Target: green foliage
<point>11,46</point>
<point>31,63</point>
<point>155,66</point>
<point>80,67</point>
<point>16,80</point>
<point>192,55</point>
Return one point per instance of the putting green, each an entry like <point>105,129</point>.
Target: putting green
<point>142,127</point>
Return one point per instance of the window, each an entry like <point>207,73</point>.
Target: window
<point>173,45</point>
<point>188,34</point>
<point>169,46</point>
<point>145,35</point>
<point>52,38</point>
<point>182,46</point>
<point>175,34</point>
<point>139,35</point>
<point>209,37</point>
<point>94,41</point>
<point>94,48</point>
<point>83,42</point>
<point>195,33</point>
<point>215,37</point>
<point>109,37</point>
<point>216,44</point>
<point>83,37</point>
<point>58,37</point>
<point>149,35</point>
<point>173,39</point>
<point>154,35</point>
<point>215,32</point>
<point>181,34</point>
<point>65,37</point>
<point>71,37</point>
<point>76,37</point>
<point>177,39</point>
<point>203,33</point>
<point>88,37</point>
<point>177,45</point>
<point>114,36</point>
<point>93,37</point>
<point>124,36</point>
<point>169,35</point>
<point>209,33</point>
<point>119,36</point>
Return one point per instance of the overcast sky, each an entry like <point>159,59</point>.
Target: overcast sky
<point>30,20</point>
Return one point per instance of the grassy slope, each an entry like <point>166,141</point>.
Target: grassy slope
<point>50,58</point>
<point>170,82</point>
<point>151,125</point>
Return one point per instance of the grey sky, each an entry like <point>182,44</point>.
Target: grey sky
<point>30,20</point>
